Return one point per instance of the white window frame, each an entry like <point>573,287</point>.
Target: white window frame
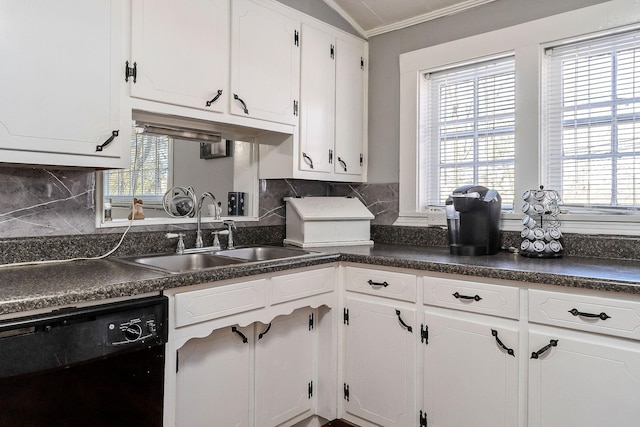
<point>527,43</point>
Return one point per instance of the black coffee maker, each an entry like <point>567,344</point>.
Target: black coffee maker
<point>473,220</point>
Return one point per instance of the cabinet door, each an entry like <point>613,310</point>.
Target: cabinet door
<point>285,368</point>
<point>61,82</point>
<point>181,51</point>
<point>214,380</point>
<point>350,106</point>
<point>265,62</point>
<point>584,380</point>
<point>379,362</point>
<point>469,378</point>
<point>317,100</point>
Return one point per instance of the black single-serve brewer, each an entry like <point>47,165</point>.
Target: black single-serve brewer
<point>473,220</point>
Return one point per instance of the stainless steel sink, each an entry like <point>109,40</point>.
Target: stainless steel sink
<point>175,264</point>
<point>262,253</point>
<point>197,261</point>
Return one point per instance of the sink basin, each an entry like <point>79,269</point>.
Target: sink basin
<point>186,263</point>
<point>262,253</point>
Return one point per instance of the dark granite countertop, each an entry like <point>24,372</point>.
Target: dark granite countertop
<point>43,286</point>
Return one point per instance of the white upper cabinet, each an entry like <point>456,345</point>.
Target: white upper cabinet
<point>317,92</point>
<point>351,99</point>
<point>61,81</point>
<point>265,61</point>
<point>331,143</point>
<point>181,52</point>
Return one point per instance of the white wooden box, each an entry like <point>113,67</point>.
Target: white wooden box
<point>327,221</point>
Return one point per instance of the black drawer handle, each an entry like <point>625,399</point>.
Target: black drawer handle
<point>215,98</point>
<point>601,316</point>
<point>501,344</point>
<point>468,297</point>
<point>536,354</point>
<point>244,337</point>
<point>409,328</point>
<point>372,283</point>
<point>263,333</point>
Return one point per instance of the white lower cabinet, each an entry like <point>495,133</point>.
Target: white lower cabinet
<point>397,350</point>
<point>470,370</point>
<point>213,386</point>
<point>217,374</point>
<point>581,373</point>
<point>379,362</point>
<point>581,379</point>
<point>286,358</point>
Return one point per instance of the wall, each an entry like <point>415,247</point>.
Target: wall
<point>384,76</point>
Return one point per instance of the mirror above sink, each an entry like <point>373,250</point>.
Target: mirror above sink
<point>195,156</point>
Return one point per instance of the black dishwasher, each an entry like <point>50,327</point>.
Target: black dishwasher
<point>98,366</point>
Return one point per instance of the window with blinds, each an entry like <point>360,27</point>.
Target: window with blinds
<point>148,177</point>
<point>592,127</point>
<point>468,130</point>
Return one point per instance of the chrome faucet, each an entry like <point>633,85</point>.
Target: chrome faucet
<point>199,243</point>
<point>232,225</point>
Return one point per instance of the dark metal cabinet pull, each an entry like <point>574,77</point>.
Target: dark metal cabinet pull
<point>601,316</point>
<point>409,328</point>
<point>244,106</point>
<point>342,163</point>
<point>536,354</point>
<point>243,336</point>
<point>372,283</point>
<point>509,351</point>
<point>263,333</point>
<point>475,297</point>
<point>215,98</point>
<point>113,136</point>
<point>307,160</point>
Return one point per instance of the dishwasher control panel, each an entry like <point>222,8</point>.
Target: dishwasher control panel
<point>134,330</point>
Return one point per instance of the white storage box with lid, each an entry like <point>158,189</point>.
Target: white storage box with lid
<point>327,221</point>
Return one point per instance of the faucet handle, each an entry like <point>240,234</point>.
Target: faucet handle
<point>180,236</point>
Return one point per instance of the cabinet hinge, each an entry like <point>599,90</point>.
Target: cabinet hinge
<point>130,72</point>
<point>361,160</point>
<point>345,316</point>
<point>332,51</point>
<point>177,361</point>
<point>361,63</point>
<point>423,419</point>
<point>424,334</point>
<point>311,322</point>
<point>346,392</point>
<point>310,388</point>
<point>295,108</point>
<point>296,38</point>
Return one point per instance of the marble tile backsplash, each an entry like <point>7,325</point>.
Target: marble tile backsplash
<point>37,202</point>
<point>47,213</point>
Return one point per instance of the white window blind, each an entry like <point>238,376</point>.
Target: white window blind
<point>592,131</point>
<point>148,177</point>
<point>468,130</point>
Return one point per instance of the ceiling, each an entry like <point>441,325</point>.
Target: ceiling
<point>372,17</point>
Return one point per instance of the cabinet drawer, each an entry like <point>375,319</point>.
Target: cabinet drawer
<point>383,283</point>
<point>609,316</point>
<point>299,285</point>
<point>496,300</point>
<point>206,304</point>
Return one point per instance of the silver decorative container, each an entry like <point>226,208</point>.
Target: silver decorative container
<point>541,235</point>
